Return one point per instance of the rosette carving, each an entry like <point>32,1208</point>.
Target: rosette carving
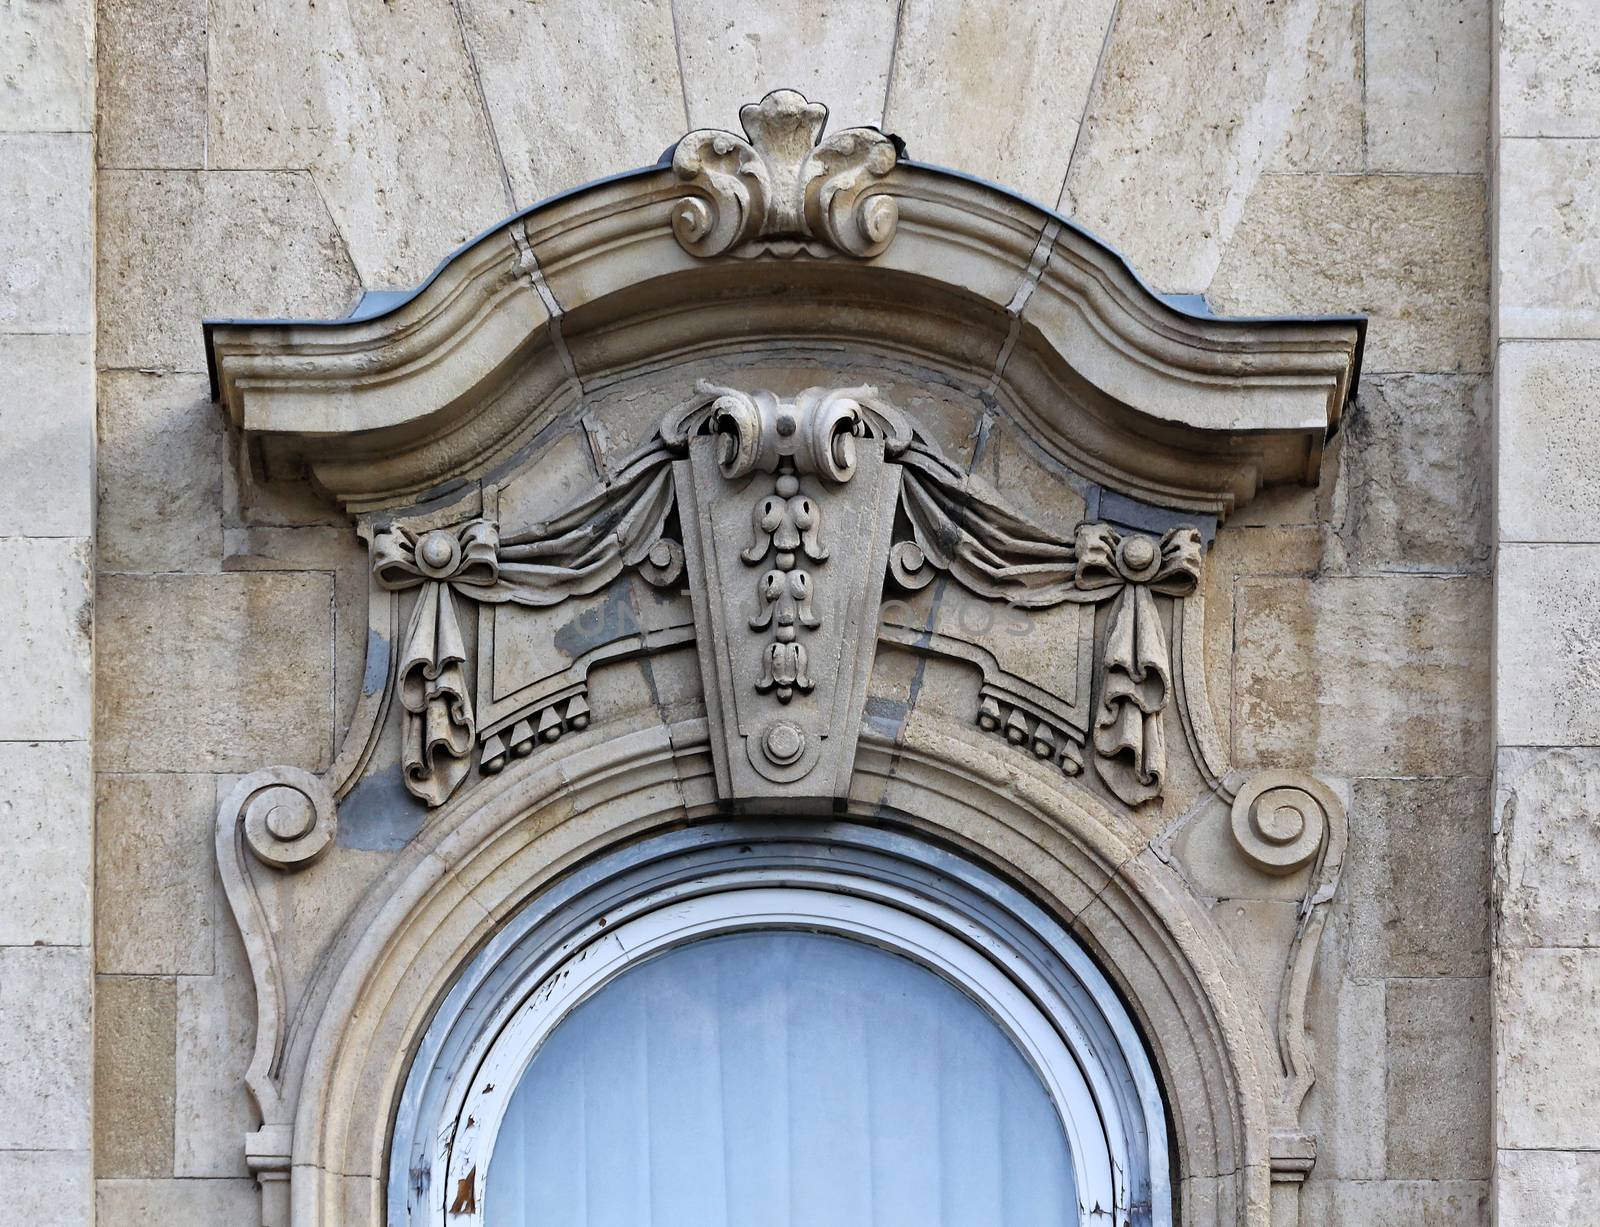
<point>784,188</point>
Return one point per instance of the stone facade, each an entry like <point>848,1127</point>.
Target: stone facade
<point>1407,624</point>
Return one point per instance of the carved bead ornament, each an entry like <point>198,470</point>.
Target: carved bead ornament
<point>784,189</point>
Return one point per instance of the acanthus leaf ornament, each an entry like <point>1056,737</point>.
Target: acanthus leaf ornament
<point>784,188</point>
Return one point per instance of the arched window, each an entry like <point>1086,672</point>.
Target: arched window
<point>765,1023</point>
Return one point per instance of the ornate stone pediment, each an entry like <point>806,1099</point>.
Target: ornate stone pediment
<point>657,465</point>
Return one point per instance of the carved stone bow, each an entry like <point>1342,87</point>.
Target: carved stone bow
<point>1138,665</point>
<point>433,685</point>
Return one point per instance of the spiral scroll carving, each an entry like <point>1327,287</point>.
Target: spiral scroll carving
<point>289,819</point>
<point>1281,818</point>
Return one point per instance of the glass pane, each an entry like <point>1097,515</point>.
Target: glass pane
<point>780,1079</point>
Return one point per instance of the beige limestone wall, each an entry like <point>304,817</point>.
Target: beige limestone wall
<point>1547,636</point>
<point>1305,155</point>
<point>47,443</point>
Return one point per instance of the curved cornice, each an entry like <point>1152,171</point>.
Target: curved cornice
<point>398,403</point>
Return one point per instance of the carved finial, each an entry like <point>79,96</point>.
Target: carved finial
<point>784,189</point>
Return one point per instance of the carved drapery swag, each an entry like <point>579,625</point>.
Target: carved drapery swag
<point>958,526</point>
<point>577,553</point>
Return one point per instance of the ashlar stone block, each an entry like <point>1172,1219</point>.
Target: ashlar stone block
<point>1547,658</point>
<point>1545,1188</point>
<point>1439,1111</point>
<point>161,462</point>
<point>1194,103</point>
<point>46,825</point>
<point>733,53</point>
<point>155,871</point>
<point>46,229</point>
<point>216,1023</point>
<point>169,1203</point>
<point>1549,238</point>
<point>215,672</point>
<point>1427,80</point>
<point>1378,675</point>
<point>178,246</point>
<point>1547,813</point>
<point>1417,878</point>
<point>1396,1203</point>
<point>46,610</point>
<point>44,1052</point>
<point>1549,61</point>
<point>379,101</point>
<point>1416,474</point>
<point>1016,127</point>
<point>1549,483</point>
<point>1410,251</point>
<point>47,1186</point>
<point>134,1022</point>
<point>46,66</point>
<point>1547,1065</point>
<point>555,75</point>
<point>151,93</point>
<point>47,435</point>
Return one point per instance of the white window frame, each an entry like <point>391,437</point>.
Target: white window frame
<point>513,997</point>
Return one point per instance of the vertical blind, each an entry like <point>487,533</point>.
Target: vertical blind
<point>780,1079</point>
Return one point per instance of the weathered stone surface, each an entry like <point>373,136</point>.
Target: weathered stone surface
<point>1547,1064</point>
<point>46,66</point>
<point>1439,1114</point>
<point>1549,236</point>
<point>1016,127</point>
<point>1193,103</point>
<point>336,550</point>
<point>1396,1203</point>
<point>164,1203</point>
<point>557,75</point>
<point>1349,1096</point>
<point>733,53</point>
<point>1543,1188</point>
<point>154,874</point>
<point>47,436</point>
<point>46,608</point>
<point>1417,878</point>
<point>1417,475</point>
<point>1549,60</point>
<point>1547,813</point>
<point>1381,675</point>
<point>135,1018</point>
<point>1309,243</point>
<point>161,463</point>
<point>380,102</point>
<point>1549,482</point>
<point>249,243</point>
<point>44,1052</point>
<point>1547,658</point>
<point>1427,85</point>
<point>46,823</point>
<point>47,1186</point>
<point>216,1032</point>
<point>151,93</point>
<point>219,672</point>
<point>45,229</point>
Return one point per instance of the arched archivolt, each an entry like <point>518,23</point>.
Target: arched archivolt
<point>484,859</point>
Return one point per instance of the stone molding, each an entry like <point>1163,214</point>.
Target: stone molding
<point>787,540</point>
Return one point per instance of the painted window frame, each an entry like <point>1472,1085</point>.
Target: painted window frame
<point>863,883</point>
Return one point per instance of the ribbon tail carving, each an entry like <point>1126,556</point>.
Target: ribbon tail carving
<point>1137,682</point>
<point>433,690</point>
